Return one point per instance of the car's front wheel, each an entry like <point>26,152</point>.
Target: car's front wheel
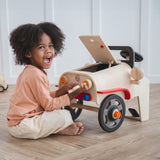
<point>75,112</point>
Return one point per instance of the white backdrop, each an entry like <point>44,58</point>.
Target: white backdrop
<point>119,22</point>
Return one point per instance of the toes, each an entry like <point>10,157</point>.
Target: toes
<point>75,128</point>
<point>80,131</point>
<point>78,127</point>
<point>79,124</point>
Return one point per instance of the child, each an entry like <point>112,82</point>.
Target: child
<point>34,111</point>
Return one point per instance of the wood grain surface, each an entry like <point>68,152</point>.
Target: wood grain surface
<point>134,140</point>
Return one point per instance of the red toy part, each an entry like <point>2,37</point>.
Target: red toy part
<point>126,92</point>
<point>102,46</point>
<point>84,96</point>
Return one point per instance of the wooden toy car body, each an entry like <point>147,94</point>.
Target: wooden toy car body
<point>111,86</point>
<point>3,84</point>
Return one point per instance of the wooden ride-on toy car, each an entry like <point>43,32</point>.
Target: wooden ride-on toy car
<point>112,84</point>
<point>3,84</point>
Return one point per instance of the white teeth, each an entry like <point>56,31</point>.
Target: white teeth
<point>47,60</point>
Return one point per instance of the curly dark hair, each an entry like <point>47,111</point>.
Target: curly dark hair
<point>25,37</point>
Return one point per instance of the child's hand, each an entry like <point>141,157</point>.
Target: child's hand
<point>82,87</point>
<point>70,86</point>
<point>64,90</point>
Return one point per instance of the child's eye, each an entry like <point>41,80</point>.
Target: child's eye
<point>41,47</point>
<point>51,46</point>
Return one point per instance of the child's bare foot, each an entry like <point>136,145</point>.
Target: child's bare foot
<point>75,128</point>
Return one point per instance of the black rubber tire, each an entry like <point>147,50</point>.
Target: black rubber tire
<point>75,113</point>
<point>105,119</point>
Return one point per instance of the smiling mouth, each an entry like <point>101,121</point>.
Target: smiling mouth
<point>47,60</point>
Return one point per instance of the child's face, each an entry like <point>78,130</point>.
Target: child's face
<point>42,55</point>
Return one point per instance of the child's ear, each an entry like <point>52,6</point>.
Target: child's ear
<point>28,55</point>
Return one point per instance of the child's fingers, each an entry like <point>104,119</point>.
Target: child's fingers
<point>85,86</point>
<point>74,89</point>
<point>73,84</point>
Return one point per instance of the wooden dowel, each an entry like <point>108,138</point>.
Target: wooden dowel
<point>95,109</point>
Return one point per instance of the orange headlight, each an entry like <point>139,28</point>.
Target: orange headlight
<point>88,83</point>
<point>63,79</point>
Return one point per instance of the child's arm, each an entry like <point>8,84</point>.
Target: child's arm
<point>53,94</point>
<point>61,101</point>
<point>40,89</point>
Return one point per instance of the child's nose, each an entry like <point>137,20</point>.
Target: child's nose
<point>48,49</point>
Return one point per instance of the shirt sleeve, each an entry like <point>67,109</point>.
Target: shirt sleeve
<point>39,86</point>
<point>53,94</point>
